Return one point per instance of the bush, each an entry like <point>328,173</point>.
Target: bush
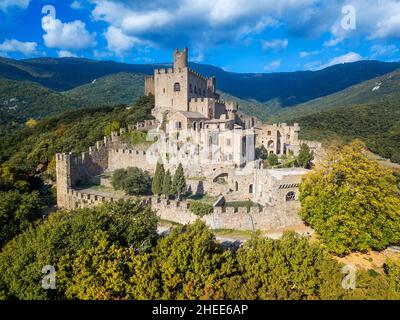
<point>133,180</point>
<point>201,209</point>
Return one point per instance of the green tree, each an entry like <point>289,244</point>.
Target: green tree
<point>17,212</point>
<point>191,264</point>
<point>158,179</point>
<point>113,126</point>
<point>167,189</point>
<point>96,273</point>
<point>179,182</point>
<point>287,268</point>
<point>126,223</point>
<point>305,157</point>
<point>273,159</point>
<point>133,180</point>
<point>352,202</point>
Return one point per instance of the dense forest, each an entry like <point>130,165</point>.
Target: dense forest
<point>377,125</point>
<point>114,252</point>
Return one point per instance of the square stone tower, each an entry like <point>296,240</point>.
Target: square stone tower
<point>180,59</point>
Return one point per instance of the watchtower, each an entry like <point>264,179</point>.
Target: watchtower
<point>180,58</point>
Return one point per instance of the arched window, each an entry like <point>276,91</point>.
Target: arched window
<point>236,186</point>
<point>190,88</point>
<point>291,196</point>
<point>177,86</point>
<point>195,89</point>
<point>251,188</point>
<point>194,125</point>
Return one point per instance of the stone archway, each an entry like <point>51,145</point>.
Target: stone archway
<point>223,175</point>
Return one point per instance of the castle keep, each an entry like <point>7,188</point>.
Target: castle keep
<point>215,145</point>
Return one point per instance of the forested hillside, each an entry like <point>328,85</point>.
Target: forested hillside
<point>384,89</point>
<point>21,100</point>
<point>378,125</point>
<point>119,88</point>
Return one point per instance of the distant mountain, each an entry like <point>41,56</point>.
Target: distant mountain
<point>118,88</point>
<point>288,88</point>
<point>21,100</point>
<point>383,89</point>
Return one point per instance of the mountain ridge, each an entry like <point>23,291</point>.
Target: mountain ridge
<point>290,88</point>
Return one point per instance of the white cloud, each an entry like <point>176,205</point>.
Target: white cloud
<point>118,42</point>
<point>374,20</point>
<point>6,4</point>
<point>346,58</point>
<point>168,23</point>
<point>12,45</point>
<point>66,54</point>
<point>77,5</point>
<point>273,65</point>
<point>304,54</point>
<point>380,50</point>
<point>275,45</point>
<point>388,28</point>
<point>69,35</point>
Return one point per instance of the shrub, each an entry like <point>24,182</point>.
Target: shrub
<point>201,209</point>
<point>133,180</point>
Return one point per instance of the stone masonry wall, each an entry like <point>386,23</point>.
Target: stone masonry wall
<point>268,218</point>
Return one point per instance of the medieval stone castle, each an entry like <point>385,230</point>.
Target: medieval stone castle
<point>214,143</point>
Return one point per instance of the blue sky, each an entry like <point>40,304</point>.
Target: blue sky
<point>237,35</point>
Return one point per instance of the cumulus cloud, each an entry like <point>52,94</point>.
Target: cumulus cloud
<point>118,42</point>
<point>273,65</point>
<point>275,45</point>
<point>374,20</point>
<point>346,58</point>
<point>178,22</point>
<point>67,36</point>
<point>12,45</point>
<point>6,4</point>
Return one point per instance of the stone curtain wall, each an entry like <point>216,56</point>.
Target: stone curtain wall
<point>256,218</point>
<point>86,168</point>
<point>124,158</point>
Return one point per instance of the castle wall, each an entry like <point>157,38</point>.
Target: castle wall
<point>124,158</point>
<point>149,85</point>
<point>242,218</point>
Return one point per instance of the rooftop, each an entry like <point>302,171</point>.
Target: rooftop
<point>280,173</point>
<point>192,115</point>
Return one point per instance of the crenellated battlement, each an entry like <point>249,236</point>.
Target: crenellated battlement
<point>206,99</point>
<point>165,71</point>
<point>241,218</point>
<point>198,75</point>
